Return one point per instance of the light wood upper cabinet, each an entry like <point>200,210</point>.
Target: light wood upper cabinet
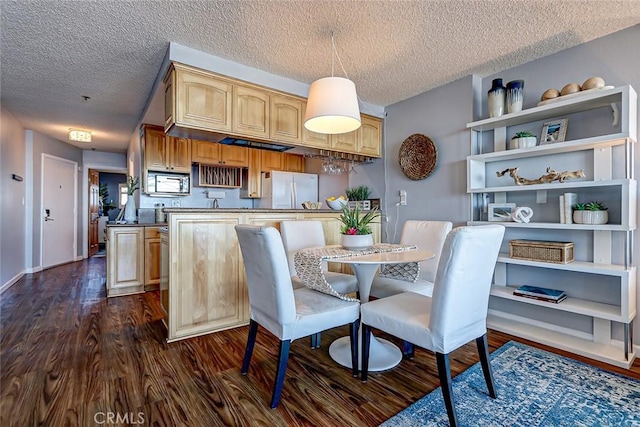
<point>293,163</point>
<point>165,153</point>
<point>198,100</point>
<point>250,111</point>
<point>252,179</point>
<point>204,101</point>
<point>369,137</point>
<point>347,142</point>
<point>271,161</point>
<point>179,154</point>
<point>211,153</point>
<point>155,148</point>
<point>286,118</point>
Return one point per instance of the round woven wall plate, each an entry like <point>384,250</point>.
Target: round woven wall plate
<point>418,156</point>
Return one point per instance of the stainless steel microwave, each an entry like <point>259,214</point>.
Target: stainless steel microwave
<point>168,183</point>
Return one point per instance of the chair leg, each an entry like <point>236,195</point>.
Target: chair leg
<point>444,372</point>
<point>353,332</point>
<point>253,333</point>
<point>283,356</point>
<point>408,350</point>
<point>318,339</point>
<point>483,351</point>
<point>315,340</point>
<point>366,342</point>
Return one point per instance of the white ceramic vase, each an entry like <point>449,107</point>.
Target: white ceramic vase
<point>130,210</point>
<point>356,242</point>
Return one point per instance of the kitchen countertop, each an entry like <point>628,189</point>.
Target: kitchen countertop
<point>243,210</point>
<point>138,224</point>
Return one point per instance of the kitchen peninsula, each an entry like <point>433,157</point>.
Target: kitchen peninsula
<point>202,283</point>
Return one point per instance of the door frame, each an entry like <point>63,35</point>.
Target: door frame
<point>75,206</point>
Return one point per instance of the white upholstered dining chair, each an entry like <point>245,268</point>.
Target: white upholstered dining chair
<point>428,236</point>
<point>455,315</point>
<point>298,235</point>
<point>287,313</point>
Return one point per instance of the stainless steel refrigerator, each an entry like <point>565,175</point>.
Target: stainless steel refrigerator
<point>288,190</point>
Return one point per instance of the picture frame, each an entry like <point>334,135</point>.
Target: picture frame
<point>554,131</point>
<point>501,211</point>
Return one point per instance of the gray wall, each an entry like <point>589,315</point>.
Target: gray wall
<point>442,115</point>
<point>12,202</point>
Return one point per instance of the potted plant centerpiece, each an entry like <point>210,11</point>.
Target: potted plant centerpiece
<point>355,230</point>
<point>523,139</point>
<point>590,213</point>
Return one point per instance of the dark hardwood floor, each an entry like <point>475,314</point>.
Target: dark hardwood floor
<point>70,356</point>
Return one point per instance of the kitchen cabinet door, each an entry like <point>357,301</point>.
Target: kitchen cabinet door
<point>206,152</point>
<point>235,156</point>
<point>346,142</point>
<point>369,137</point>
<point>156,157</point>
<point>293,163</point>
<point>250,111</point>
<point>271,161</point>
<point>125,260</point>
<point>179,154</point>
<point>151,258</point>
<point>202,100</point>
<point>252,180</point>
<point>286,119</point>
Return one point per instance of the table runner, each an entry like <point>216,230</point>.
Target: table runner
<point>308,263</point>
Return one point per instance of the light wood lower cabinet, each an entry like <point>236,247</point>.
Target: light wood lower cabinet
<point>133,259</point>
<point>151,258</point>
<point>205,287</point>
<point>125,260</point>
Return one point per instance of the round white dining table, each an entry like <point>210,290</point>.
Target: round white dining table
<point>383,354</point>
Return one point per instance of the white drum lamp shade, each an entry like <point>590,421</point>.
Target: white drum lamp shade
<point>332,106</point>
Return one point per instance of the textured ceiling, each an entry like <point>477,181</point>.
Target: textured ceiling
<point>55,52</point>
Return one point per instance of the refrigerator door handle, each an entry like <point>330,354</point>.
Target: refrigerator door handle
<point>293,196</point>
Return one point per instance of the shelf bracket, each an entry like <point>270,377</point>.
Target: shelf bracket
<point>616,114</point>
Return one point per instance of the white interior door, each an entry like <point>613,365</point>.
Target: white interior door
<point>59,198</point>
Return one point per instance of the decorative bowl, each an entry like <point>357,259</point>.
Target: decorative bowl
<point>337,203</point>
<point>591,217</point>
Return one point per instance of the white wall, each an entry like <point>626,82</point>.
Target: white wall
<point>12,202</point>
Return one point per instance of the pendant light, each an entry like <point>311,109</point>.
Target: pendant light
<point>332,105</point>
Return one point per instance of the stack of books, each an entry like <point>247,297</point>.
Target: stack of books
<point>542,294</point>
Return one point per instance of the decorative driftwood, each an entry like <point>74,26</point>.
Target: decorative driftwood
<point>550,176</point>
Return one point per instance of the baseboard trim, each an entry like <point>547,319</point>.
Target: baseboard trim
<point>32,270</point>
<point>79,258</point>
<point>11,282</point>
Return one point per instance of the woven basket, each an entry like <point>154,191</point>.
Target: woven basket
<point>418,157</point>
<point>533,250</point>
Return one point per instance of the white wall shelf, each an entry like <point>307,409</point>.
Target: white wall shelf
<point>607,160</point>
<point>583,346</point>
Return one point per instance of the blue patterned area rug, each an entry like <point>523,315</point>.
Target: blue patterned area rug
<point>535,388</point>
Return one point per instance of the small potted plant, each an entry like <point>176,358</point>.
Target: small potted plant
<point>358,196</point>
<point>590,213</point>
<point>524,139</point>
<point>355,230</point>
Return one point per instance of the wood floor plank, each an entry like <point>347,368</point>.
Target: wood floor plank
<point>70,356</point>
